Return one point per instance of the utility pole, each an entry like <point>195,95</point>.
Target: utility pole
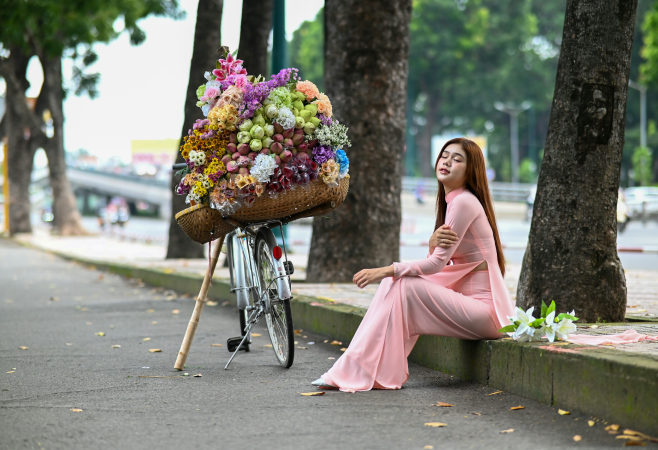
<point>643,110</point>
<point>514,111</point>
<point>279,42</point>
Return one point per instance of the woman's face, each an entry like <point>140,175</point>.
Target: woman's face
<point>451,170</point>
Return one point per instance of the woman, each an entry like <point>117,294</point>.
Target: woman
<point>466,299</point>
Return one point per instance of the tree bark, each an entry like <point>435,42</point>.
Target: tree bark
<point>67,220</point>
<point>255,28</point>
<point>572,250</point>
<point>21,140</point>
<point>366,70</point>
<point>207,39</point>
<point>424,145</point>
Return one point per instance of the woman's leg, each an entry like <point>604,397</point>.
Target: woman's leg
<point>400,311</point>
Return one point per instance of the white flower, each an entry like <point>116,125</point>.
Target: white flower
<point>215,84</point>
<point>198,158</point>
<point>205,109</point>
<point>285,118</point>
<point>208,76</point>
<point>525,318</point>
<point>565,328</point>
<point>550,326</point>
<point>263,168</point>
<point>527,335</point>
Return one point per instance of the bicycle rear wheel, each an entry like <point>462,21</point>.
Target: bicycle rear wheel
<point>279,318</point>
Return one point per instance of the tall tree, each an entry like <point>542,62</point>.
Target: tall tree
<point>51,30</point>
<point>306,50</point>
<point>255,27</point>
<point>366,69</point>
<point>207,40</point>
<point>572,249</point>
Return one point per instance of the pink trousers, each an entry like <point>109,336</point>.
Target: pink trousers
<point>401,311</point>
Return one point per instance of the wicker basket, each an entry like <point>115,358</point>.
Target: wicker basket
<point>204,224</point>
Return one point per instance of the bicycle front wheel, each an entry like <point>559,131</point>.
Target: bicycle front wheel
<point>279,318</point>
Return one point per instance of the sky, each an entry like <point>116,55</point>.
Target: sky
<point>142,89</point>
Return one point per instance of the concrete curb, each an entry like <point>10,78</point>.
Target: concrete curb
<point>621,387</point>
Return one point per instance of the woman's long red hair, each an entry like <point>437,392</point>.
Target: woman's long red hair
<point>477,183</point>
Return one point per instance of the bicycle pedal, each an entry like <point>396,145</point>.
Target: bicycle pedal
<point>232,344</point>
<point>290,269</point>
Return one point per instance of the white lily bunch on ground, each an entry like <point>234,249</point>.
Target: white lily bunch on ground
<point>526,328</point>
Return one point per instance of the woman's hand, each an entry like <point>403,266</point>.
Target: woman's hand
<point>366,276</point>
<point>443,237</point>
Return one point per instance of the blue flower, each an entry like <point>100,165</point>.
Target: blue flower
<point>343,162</point>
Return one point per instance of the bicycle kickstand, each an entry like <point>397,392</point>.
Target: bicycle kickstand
<point>246,336</point>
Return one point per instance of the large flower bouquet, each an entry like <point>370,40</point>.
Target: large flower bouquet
<point>525,327</point>
<point>259,138</point>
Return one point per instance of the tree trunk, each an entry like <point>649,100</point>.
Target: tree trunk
<point>572,256</point>
<point>366,69</point>
<point>425,140</point>
<point>255,28</point>
<point>20,140</point>
<point>207,39</point>
<point>67,221</point>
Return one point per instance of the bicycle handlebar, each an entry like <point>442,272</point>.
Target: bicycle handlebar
<point>179,166</point>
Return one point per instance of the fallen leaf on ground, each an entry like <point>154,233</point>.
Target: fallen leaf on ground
<point>613,427</point>
<point>76,410</point>
<point>590,423</point>
<point>514,408</point>
<point>101,276</point>
<point>11,371</point>
<point>146,339</point>
<point>343,349</point>
<point>563,412</point>
<point>594,327</point>
<point>303,348</point>
<point>197,375</point>
<point>22,347</point>
<point>298,331</point>
<point>217,345</point>
<point>54,299</point>
<point>150,310</point>
<point>225,303</point>
<point>436,424</point>
<point>155,350</point>
<point>630,438</point>
<point>497,392</point>
<point>116,346</point>
<point>268,345</point>
<point>634,444</point>
<point>90,323</point>
<point>577,438</point>
<point>331,357</point>
<point>336,343</point>
<point>154,323</point>
<point>68,343</point>
<point>444,404</point>
<point>511,430</point>
<point>100,333</point>
<point>310,343</point>
<point>428,447</point>
<point>175,311</point>
<point>476,414</point>
<point>255,334</point>
<point>312,394</point>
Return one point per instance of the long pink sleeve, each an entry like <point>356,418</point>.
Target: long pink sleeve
<point>460,214</point>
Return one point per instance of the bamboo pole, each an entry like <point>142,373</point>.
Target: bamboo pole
<point>200,301</point>
<point>5,183</point>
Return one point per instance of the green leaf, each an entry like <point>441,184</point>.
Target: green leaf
<point>543,309</point>
<point>507,329</point>
<point>218,65</point>
<point>551,308</point>
<point>535,323</point>
<point>565,316</point>
<point>235,53</point>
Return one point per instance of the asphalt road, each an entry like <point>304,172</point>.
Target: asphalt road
<point>70,389</point>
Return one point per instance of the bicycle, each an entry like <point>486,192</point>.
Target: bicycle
<point>261,282</point>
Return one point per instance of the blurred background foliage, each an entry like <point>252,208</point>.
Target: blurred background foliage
<point>466,55</point>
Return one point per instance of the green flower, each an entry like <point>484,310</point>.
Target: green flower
<point>200,91</point>
<point>281,96</point>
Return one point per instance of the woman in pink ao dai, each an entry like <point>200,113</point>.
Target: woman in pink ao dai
<point>457,291</point>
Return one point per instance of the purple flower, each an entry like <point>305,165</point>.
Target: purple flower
<point>323,154</point>
<point>326,121</point>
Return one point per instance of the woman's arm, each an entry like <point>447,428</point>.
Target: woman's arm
<point>461,212</point>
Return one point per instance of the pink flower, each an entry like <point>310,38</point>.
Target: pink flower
<point>229,66</point>
<point>241,81</point>
<point>211,93</point>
